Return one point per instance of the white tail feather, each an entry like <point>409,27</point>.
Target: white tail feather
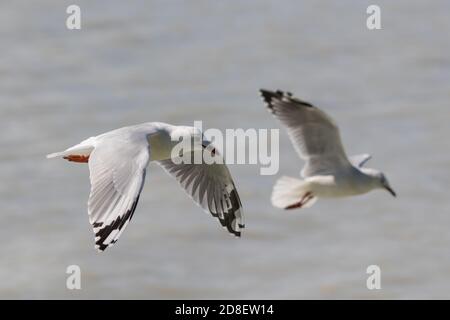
<point>82,149</point>
<point>289,192</point>
<point>55,155</point>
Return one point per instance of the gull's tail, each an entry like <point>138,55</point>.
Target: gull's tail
<point>82,149</point>
<point>292,193</point>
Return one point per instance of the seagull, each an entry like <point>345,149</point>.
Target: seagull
<point>117,163</point>
<point>328,172</point>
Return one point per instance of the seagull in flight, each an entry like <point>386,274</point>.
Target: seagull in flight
<point>328,172</point>
<point>117,163</point>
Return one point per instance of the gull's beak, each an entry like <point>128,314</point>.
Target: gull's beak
<point>388,188</point>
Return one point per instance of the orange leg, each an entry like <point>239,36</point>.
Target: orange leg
<point>77,158</point>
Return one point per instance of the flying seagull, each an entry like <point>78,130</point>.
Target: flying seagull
<point>117,163</point>
<point>328,172</point>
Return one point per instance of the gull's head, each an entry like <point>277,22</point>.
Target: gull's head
<point>379,180</point>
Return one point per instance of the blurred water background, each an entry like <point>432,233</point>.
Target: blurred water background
<point>180,61</point>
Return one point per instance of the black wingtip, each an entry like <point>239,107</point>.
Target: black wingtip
<point>117,224</point>
<point>227,223</point>
<point>101,247</point>
<point>268,97</point>
<point>235,212</point>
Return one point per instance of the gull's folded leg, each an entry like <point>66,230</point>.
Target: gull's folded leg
<point>307,197</point>
<point>77,158</point>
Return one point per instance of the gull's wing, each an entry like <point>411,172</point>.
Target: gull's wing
<point>117,173</point>
<point>360,159</point>
<point>314,134</point>
<point>212,188</point>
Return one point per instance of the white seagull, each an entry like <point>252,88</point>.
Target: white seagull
<point>328,172</point>
<point>117,164</point>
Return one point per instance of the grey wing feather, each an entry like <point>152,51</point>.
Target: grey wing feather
<point>313,133</point>
<point>212,188</point>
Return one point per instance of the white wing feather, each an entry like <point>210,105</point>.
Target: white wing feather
<point>117,174</point>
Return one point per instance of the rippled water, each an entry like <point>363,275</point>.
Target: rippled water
<point>182,61</point>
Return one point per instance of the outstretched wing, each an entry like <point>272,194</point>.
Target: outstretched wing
<point>210,186</point>
<point>360,159</point>
<point>313,133</point>
<point>117,174</point>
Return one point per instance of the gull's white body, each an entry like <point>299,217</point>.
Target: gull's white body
<point>328,172</point>
<point>117,164</point>
<point>353,182</point>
